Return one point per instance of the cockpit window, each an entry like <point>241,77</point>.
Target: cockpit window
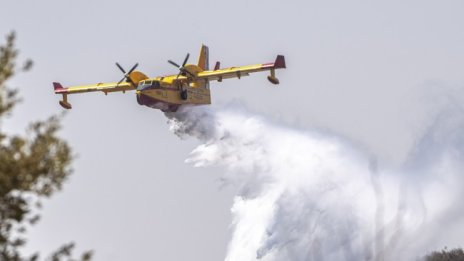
<point>148,84</point>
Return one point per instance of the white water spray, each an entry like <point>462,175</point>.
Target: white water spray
<point>306,195</point>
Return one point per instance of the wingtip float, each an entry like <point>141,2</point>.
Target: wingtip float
<point>167,93</point>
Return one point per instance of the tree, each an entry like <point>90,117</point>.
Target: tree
<point>446,255</point>
<point>32,167</point>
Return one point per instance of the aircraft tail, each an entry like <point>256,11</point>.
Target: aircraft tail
<point>203,59</point>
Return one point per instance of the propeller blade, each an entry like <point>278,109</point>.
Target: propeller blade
<point>182,70</point>
<point>133,68</point>
<point>120,68</point>
<point>185,60</point>
<point>121,80</point>
<point>173,63</point>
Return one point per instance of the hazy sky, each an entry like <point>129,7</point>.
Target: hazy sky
<point>357,68</point>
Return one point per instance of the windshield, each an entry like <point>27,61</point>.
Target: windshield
<point>145,85</point>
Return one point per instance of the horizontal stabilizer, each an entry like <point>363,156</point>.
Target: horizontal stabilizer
<point>217,66</point>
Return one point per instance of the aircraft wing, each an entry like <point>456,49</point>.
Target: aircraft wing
<point>103,87</point>
<point>238,72</point>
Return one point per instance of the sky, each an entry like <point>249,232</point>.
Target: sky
<point>361,69</point>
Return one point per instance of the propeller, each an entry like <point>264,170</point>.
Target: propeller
<point>182,69</point>
<point>126,75</point>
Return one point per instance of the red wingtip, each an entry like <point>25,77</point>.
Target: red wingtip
<point>280,62</point>
<point>59,88</point>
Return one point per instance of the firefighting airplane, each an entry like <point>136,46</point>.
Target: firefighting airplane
<point>167,93</point>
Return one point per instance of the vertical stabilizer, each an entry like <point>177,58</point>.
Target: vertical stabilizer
<point>203,59</point>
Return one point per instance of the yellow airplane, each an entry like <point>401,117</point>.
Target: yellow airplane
<point>168,93</point>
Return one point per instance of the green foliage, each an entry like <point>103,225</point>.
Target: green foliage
<point>32,167</point>
<point>446,255</point>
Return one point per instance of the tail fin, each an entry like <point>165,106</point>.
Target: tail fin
<point>203,59</point>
